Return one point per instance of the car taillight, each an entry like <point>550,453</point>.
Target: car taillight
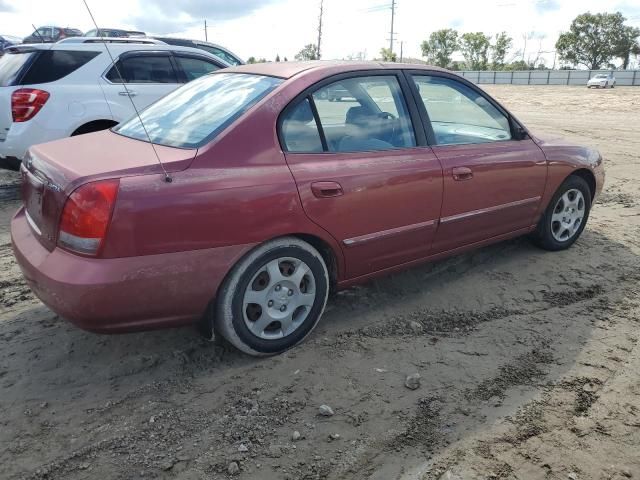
<point>26,103</point>
<point>86,216</point>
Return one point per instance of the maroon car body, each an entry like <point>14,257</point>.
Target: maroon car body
<point>169,246</point>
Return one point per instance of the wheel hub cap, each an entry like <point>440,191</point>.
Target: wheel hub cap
<point>568,215</point>
<point>279,298</point>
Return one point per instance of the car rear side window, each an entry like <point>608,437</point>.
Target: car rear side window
<point>143,69</point>
<point>195,67</point>
<point>364,114</point>
<point>11,64</point>
<point>300,131</point>
<point>52,65</point>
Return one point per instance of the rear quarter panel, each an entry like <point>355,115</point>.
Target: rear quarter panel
<point>238,191</point>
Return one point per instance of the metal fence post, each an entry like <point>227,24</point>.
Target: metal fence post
<point>529,79</point>
<point>569,77</point>
<point>633,82</point>
<point>511,77</point>
<point>548,76</point>
<point>494,77</point>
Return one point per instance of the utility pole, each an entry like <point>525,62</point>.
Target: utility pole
<point>401,50</point>
<point>206,34</point>
<point>393,17</point>
<point>320,27</point>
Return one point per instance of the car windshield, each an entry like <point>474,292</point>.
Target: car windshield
<point>193,115</point>
<point>600,76</point>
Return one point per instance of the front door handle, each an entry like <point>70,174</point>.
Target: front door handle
<point>326,189</point>
<point>461,173</point>
<point>128,93</point>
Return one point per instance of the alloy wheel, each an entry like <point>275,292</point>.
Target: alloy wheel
<point>279,298</point>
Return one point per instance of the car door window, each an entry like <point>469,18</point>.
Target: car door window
<point>143,69</point>
<point>459,114</point>
<point>195,67</point>
<point>364,114</point>
<point>300,131</point>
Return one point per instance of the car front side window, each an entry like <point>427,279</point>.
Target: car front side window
<point>460,115</point>
<point>364,114</point>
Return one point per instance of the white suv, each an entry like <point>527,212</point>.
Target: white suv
<point>48,92</point>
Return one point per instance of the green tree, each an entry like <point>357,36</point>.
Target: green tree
<point>387,55</point>
<point>309,52</point>
<point>627,45</point>
<point>475,49</point>
<point>251,60</point>
<point>285,59</point>
<point>592,40</point>
<point>500,49</point>
<point>278,57</point>
<point>440,47</point>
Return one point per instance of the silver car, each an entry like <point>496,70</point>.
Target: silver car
<point>602,80</point>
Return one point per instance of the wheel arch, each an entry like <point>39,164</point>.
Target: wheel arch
<point>94,126</point>
<point>328,254</point>
<point>588,176</point>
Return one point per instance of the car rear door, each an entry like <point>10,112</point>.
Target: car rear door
<point>363,170</point>
<point>146,77</point>
<point>493,180</point>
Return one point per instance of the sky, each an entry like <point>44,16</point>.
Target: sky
<point>266,28</point>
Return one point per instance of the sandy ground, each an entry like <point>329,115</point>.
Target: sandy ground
<point>529,361</point>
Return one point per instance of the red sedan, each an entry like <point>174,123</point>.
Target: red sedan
<point>242,198</point>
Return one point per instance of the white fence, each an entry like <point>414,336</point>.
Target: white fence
<point>549,77</point>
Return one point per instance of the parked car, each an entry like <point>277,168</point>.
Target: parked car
<point>260,196</point>
<point>602,80</point>
<point>67,89</point>
<point>8,41</point>
<point>217,50</point>
<point>51,34</point>
<point>113,33</point>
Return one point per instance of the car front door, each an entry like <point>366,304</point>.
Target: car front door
<point>493,180</point>
<point>142,76</point>
<point>364,173</point>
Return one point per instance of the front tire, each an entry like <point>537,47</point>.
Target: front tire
<point>273,298</point>
<point>566,215</point>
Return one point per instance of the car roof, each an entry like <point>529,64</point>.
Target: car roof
<point>291,69</point>
<point>113,47</point>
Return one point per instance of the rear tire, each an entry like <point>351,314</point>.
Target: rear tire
<point>273,298</point>
<point>566,215</point>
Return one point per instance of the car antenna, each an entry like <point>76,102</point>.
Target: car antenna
<point>167,178</point>
<point>37,33</point>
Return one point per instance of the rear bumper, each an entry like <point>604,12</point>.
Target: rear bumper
<point>23,135</point>
<point>122,294</point>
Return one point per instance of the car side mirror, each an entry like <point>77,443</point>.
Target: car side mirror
<point>519,133</point>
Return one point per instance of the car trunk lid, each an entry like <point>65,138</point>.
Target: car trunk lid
<point>52,171</point>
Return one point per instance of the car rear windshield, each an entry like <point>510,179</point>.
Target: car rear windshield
<point>11,64</point>
<point>52,65</point>
<point>195,114</point>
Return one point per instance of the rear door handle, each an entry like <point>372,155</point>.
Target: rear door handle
<point>326,189</point>
<point>127,94</point>
<point>461,173</point>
